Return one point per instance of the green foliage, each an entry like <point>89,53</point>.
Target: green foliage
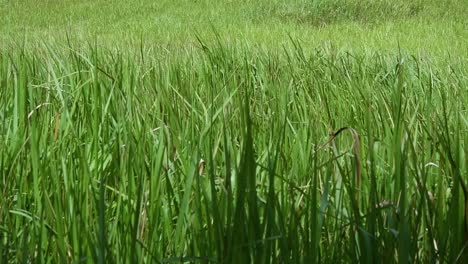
<point>305,131</point>
<point>427,26</point>
<point>322,156</point>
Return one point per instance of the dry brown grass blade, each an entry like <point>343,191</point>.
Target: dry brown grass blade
<point>356,149</point>
<point>201,167</point>
<point>357,155</point>
<point>57,125</point>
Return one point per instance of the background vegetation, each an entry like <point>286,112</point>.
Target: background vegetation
<point>233,132</point>
<point>420,26</point>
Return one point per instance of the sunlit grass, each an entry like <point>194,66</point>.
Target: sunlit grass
<point>437,27</point>
<point>310,156</point>
<point>235,131</point>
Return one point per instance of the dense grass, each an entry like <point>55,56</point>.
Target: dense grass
<point>420,26</point>
<point>301,131</point>
<point>320,156</point>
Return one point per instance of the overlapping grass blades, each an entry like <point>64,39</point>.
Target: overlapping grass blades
<point>100,155</point>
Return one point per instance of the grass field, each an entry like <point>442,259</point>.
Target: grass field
<point>419,26</point>
<point>140,131</point>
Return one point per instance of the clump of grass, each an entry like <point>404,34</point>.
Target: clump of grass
<point>101,154</point>
<point>329,12</point>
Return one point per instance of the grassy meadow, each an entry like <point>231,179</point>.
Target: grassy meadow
<point>234,131</point>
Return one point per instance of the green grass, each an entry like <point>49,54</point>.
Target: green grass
<point>338,135</point>
<point>100,156</point>
<point>422,26</point>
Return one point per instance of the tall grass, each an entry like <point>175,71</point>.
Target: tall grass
<point>232,155</point>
